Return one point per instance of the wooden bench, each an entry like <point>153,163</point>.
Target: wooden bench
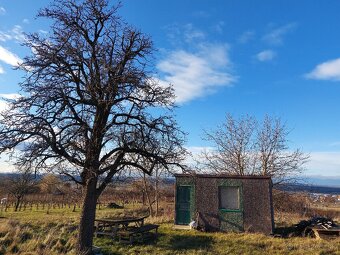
<point>137,234</point>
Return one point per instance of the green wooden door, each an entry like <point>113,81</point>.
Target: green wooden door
<point>183,205</point>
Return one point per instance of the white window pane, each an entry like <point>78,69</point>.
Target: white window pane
<point>229,198</point>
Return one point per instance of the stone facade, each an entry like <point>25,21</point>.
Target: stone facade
<point>255,212</point>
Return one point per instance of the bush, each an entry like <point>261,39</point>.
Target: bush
<point>290,202</point>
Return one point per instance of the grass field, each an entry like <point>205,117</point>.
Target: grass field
<point>35,232</point>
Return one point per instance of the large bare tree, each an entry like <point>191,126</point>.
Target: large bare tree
<point>90,106</point>
<point>246,146</point>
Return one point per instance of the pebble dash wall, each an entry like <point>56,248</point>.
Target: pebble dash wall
<point>255,213</point>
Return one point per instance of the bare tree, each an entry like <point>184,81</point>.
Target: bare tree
<point>273,155</point>
<point>233,147</point>
<point>246,146</point>
<point>20,184</point>
<point>87,104</point>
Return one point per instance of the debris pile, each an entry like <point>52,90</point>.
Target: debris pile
<point>114,206</point>
<point>307,227</point>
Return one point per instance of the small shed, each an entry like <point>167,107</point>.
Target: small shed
<point>225,202</point>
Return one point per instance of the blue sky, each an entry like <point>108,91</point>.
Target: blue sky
<point>280,58</point>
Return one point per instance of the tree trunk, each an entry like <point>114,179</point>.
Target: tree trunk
<point>157,192</point>
<point>88,215</point>
<point>17,203</point>
<point>147,195</point>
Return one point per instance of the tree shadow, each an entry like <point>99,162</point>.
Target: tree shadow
<point>289,231</point>
<point>189,242</point>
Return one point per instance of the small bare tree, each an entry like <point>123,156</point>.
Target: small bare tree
<point>20,184</point>
<point>273,155</point>
<point>246,146</point>
<point>233,144</point>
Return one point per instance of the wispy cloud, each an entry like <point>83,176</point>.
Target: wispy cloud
<point>16,33</point>
<point>329,70</point>
<point>26,21</point>
<point>266,55</point>
<point>276,35</point>
<point>2,70</point>
<point>199,73</point>
<point>2,10</point>
<point>335,144</point>
<point>218,27</point>
<point>191,33</point>
<point>246,36</point>
<point>201,14</point>
<point>327,163</point>
<point>184,34</point>
<point>8,57</point>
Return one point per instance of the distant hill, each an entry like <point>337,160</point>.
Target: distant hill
<point>310,188</point>
<point>333,181</point>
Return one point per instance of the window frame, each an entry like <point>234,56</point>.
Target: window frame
<point>239,188</point>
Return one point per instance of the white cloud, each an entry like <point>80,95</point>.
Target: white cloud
<point>329,70</point>
<point>320,163</point>
<point>26,21</point>
<point>197,150</point>
<point>10,96</point>
<point>5,165</point>
<point>199,73</point>
<point>43,31</point>
<point>16,33</point>
<point>324,163</point>
<point>195,154</point>
<point>246,36</point>
<point>4,106</point>
<point>9,57</point>
<point>2,70</point>
<point>275,36</point>
<point>266,55</point>
<point>5,36</point>
<point>2,10</point>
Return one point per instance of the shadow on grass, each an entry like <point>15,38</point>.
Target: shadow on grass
<point>288,231</point>
<point>168,241</point>
<point>189,242</point>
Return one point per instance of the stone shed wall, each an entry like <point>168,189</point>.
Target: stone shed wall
<point>257,202</point>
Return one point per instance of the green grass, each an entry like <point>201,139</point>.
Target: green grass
<point>35,232</point>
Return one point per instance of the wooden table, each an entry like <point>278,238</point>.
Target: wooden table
<point>110,227</point>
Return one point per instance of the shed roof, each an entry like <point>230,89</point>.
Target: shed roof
<point>224,176</point>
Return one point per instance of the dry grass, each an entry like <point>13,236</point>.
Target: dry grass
<point>35,232</point>
<point>45,238</point>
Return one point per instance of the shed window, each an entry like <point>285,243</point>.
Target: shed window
<point>229,198</point>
